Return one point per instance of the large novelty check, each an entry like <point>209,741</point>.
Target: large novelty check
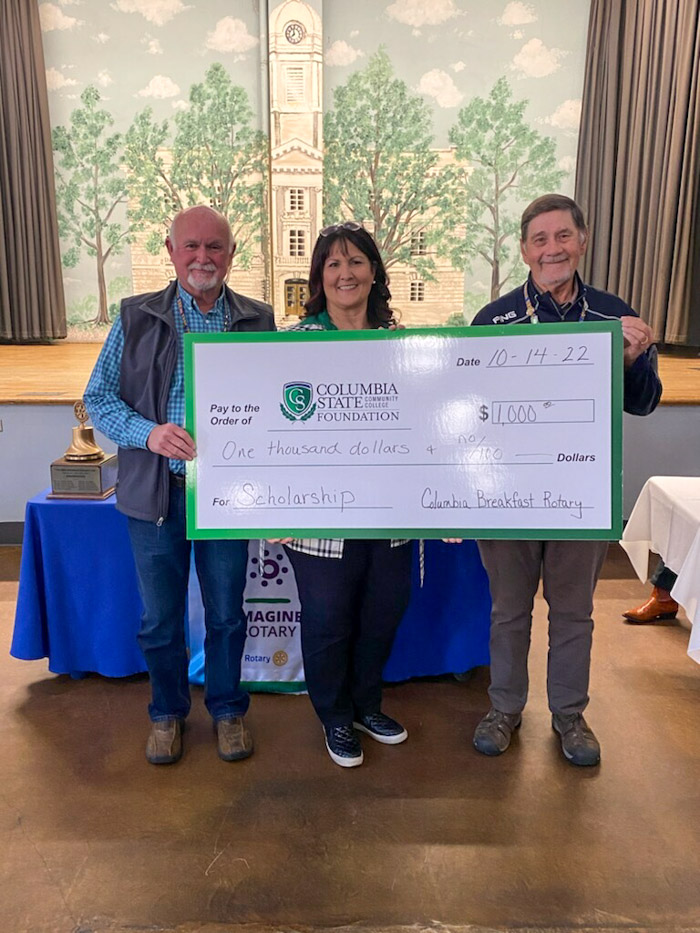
<point>490,432</point>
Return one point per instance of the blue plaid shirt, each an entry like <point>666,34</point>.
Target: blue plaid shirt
<point>110,414</point>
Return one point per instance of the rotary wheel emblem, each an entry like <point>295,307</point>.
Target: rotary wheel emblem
<point>280,658</point>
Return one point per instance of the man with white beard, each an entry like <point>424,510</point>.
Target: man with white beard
<point>136,397</point>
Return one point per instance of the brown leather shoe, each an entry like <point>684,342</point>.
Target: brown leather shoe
<point>658,607</point>
<point>164,745</point>
<point>234,740</point>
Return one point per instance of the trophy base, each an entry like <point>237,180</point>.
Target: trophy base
<point>80,495</point>
<point>71,479</point>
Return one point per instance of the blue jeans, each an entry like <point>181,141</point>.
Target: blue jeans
<point>162,557</point>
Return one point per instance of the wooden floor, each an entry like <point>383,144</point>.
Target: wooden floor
<point>425,837</point>
<point>56,374</point>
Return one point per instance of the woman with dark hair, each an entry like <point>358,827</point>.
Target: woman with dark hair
<point>353,592</point>
<point>351,241</point>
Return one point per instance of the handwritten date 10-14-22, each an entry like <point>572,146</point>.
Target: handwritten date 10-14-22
<point>539,356</point>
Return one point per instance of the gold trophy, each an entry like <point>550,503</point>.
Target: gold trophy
<point>85,471</point>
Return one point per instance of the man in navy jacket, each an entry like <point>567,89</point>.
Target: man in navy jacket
<point>553,240</point>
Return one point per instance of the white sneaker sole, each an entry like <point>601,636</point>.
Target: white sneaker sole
<point>384,739</point>
<point>345,762</point>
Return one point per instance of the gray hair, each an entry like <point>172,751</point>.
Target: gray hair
<point>552,202</point>
<point>201,207</point>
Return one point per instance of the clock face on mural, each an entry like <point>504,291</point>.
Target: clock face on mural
<point>294,32</point>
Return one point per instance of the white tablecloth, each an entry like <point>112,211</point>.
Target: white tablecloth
<point>666,519</point>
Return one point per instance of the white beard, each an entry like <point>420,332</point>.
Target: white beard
<point>199,284</point>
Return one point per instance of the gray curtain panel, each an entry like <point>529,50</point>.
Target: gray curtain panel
<point>638,171</point>
<point>31,287</point>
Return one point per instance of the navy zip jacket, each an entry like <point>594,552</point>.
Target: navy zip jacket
<point>642,386</point>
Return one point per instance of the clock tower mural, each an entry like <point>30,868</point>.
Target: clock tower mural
<point>296,148</point>
<point>432,122</point>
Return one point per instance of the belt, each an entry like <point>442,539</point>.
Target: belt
<point>178,479</point>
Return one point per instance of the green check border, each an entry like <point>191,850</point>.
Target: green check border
<point>612,532</point>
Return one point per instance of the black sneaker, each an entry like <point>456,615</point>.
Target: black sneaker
<point>343,745</point>
<point>493,734</point>
<point>579,744</point>
<point>382,728</point>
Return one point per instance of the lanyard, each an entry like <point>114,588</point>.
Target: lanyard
<point>532,314</point>
<point>185,325</point>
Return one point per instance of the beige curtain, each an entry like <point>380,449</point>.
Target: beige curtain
<point>31,289</point>
<point>638,171</point>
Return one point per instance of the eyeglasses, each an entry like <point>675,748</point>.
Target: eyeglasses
<point>338,228</point>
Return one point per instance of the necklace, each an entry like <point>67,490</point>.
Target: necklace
<point>532,314</point>
<point>185,325</point>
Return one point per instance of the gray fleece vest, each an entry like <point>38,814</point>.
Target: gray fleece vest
<point>147,368</point>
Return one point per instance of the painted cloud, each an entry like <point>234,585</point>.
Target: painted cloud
<point>535,60</point>
<point>53,17</point>
<point>160,87</point>
<point>341,53</point>
<point>567,116</point>
<point>55,79</point>
<point>517,14</point>
<point>153,46</point>
<point>439,84</point>
<point>231,35</point>
<point>418,13</point>
<point>157,12</point>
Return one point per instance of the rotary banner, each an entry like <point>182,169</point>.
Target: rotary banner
<point>272,654</point>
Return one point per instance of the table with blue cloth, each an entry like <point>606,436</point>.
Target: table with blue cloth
<point>78,602</point>
<point>446,627</point>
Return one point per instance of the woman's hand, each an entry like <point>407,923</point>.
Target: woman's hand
<point>279,540</point>
<point>453,540</point>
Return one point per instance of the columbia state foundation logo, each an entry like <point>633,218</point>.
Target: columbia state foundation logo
<point>298,401</point>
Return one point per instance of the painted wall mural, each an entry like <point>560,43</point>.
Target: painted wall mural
<point>431,121</point>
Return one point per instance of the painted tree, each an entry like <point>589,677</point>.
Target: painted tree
<point>502,164</point>
<point>90,188</point>
<point>217,158</point>
<point>153,199</point>
<point>379,167</point>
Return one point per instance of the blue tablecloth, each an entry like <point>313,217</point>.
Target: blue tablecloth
<point>78,603</point>
<point>446,626</point>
